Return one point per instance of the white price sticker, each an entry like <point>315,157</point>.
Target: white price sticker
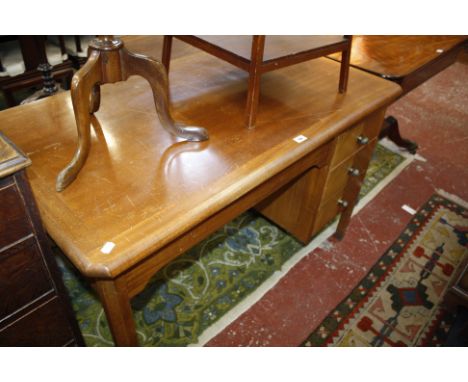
<point>300,139</point>
<point>107,247</point>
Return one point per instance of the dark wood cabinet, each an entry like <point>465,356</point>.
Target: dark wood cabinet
<point>34,307</point>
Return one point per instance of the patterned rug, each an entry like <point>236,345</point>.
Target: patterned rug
<point>195,290</point>
<point>398,303</point>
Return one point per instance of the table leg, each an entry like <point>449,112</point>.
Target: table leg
<point>344,68</point>
<point>258,45</point>
<point>116,301</point>
<point>391,130</point>
<point>166,52</point>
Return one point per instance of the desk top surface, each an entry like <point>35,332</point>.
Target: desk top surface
<point>395,57</point>
<point>140,188</point>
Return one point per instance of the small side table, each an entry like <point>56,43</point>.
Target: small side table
<point>259,54</point>
<point>406,60</point>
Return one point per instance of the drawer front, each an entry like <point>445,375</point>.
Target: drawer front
<point>14,222</point>
<point>44,326</point>
<point>352,168</point>
<point>355,139</point>
<point>327,212</point>
<point>23,277</point>
<point>347,144</point>
<point>338,179</point>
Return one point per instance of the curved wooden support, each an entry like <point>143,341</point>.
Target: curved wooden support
<point>82,85</point>
<point>155,73</point>
<point>95,98</point>
<point>109,62</point>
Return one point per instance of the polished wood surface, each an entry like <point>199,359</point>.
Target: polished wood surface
<point>307,204</point>
<point>406,60</point>
<point>110,62</point>
<point>260,54</point>
<point>394,57</point>
<point>141,188</point>
<point>154,196</point>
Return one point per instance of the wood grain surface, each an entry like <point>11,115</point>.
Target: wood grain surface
<point>395,57</point>
<point>140,188</point>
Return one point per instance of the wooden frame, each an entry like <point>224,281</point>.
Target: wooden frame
<point>256,66</point>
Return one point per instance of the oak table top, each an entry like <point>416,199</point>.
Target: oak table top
<point>140,188</point>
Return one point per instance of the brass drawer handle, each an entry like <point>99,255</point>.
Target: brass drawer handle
<point>352,171</point>
<point>362,140</point>
<point>342,203</point>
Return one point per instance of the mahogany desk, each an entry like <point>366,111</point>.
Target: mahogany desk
<point>155,198</point>
<point>407,60</point>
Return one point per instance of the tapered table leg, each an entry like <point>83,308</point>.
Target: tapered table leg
<point>253,93</point>
<point>344,68</point>
<point>116,301</point>
<point>166,52</point>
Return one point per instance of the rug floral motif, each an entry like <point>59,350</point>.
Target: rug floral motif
<point>398,303</point>
<point>195,290</point>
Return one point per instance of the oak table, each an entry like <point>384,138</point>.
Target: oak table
<point>143,197</point>
<point>407,60</point>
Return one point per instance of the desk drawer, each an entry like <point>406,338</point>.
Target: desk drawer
<point>355,139</point>
<point>328,211</point>
<point>338,179</point>
<point>353,167</point>
<point>14,222</point>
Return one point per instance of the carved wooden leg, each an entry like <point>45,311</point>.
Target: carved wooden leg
<point>95,98</point>
<point>344,69</point>
<point>81,88</point>
<point>253,93</point>
<point>116,302</point>
<point>155,73</point>
<point>391,130</point>
<point>166,52</point>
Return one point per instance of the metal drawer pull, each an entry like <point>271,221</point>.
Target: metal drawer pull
<point>362,140</point>
<point>352,171</point>
<point>342,203</point>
